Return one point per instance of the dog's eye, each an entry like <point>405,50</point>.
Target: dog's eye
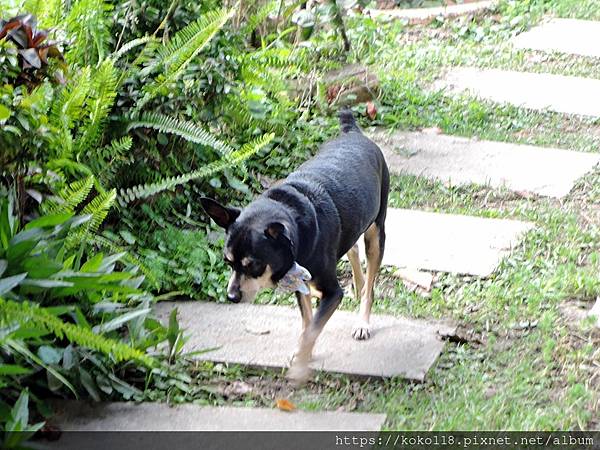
<point>256,268</point>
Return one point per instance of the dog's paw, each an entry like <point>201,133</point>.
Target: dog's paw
<point>361,331</point>
<point>298,374</point>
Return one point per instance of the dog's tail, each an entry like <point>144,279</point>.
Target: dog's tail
<point>347,121</point>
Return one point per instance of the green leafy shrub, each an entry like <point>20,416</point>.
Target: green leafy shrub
<point>186,261</point>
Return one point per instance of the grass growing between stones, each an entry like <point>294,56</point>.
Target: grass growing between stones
<point>519,362</point>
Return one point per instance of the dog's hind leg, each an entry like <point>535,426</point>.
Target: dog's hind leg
<point>374,245</point>
<point>299,371</point>
<point>358,279</point>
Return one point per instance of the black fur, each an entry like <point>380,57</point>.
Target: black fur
<point>320,211</point>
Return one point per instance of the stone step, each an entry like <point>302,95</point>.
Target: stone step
<point>421,15</point>
<point>132,426</point>
<point>448,242</point>
<point>577,37</point>
<point>458,160</point>
<point>538,91</point>
<point>267,336</point>
<point>131,416</point>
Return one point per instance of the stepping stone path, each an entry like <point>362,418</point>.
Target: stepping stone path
<point>539,91</point>
<point>578,37</point>
<point>267,336</point>
<point>423,15</point>
<point>130,416</point>
<point>458,160</point>
<point>448,242</point>
<point>81,423</point>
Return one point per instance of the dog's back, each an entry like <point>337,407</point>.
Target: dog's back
<point>352,172</point>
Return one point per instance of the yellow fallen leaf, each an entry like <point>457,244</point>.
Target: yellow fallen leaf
<point>285,405</point>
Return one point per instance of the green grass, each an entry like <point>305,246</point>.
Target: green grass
<point>545,377</point>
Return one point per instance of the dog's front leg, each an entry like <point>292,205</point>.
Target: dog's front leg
<point>305,304</point>
<point>299,371</point>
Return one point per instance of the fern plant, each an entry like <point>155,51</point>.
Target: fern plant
<point>99,104</point>
<point>144,191</point>
<point>45,319</point>
<point>88,23</point>
<point>187,130</point>
<point>174,57</point>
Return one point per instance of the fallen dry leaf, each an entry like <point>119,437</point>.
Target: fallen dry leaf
<point>285,405</point>
<point>371,110</point>
<point>432,130</point>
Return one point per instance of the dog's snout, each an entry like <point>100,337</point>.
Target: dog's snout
<point>234,293</point>
<point>235,296</point>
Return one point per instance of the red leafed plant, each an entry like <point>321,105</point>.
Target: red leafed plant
<point>32,48</point>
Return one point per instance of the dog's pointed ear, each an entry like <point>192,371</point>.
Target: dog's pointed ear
<point>275,230</point>
<point>280,232</point>
<point>223,216</point>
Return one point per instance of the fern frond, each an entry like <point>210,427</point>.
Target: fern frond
<point>132,44</point>
<point>99,103</point>
<point>98,209</point>
<point>35,316</point>
<point>88,24</point>
<point>187,130</point>
<point>231,159</point>
<point>47,12</point>
<point>70,197</point>
<point>127,257</point>
<point>106,161</point>
<point>260,16</point>
<point>118,147</point>
<point>183,48</point>
<point>68,108</point>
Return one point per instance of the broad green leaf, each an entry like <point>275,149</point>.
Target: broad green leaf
<point>68,360</point>
<point>48,221</point>
<point>7,284</point>
<point>173,330</point>
<point>54,384</point>
<point>93,264</point>
<point>17,252</point>
<point>40,266</point>
<point>20,412</point>
<point>88,383</point>
<point>124,388</point>
<point>117,322</point>
<point>4,113</point>
<point>18,347</point>
<point>47,283</point>
<point>13,369</point>
<point>3,266</point>
<point>50,355</point>
<point>104,384</point>
<point>111,259</point>
<point>33,234</point>
<point>60,310</point>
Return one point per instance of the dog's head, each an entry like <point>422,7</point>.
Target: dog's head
<point>258,248</point>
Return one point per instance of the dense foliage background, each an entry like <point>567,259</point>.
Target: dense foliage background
<point>115,117</point>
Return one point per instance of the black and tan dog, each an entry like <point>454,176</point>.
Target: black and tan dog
<point>313,217</point>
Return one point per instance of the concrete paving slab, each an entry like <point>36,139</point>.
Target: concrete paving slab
<point>577,37</point>
<point>267,336</point>
<point>538,91</point>
<point>130,416</point>
<point>133,426</point>
<point>448,242</point>
<point>418,15</point>
<point>458,160</point>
